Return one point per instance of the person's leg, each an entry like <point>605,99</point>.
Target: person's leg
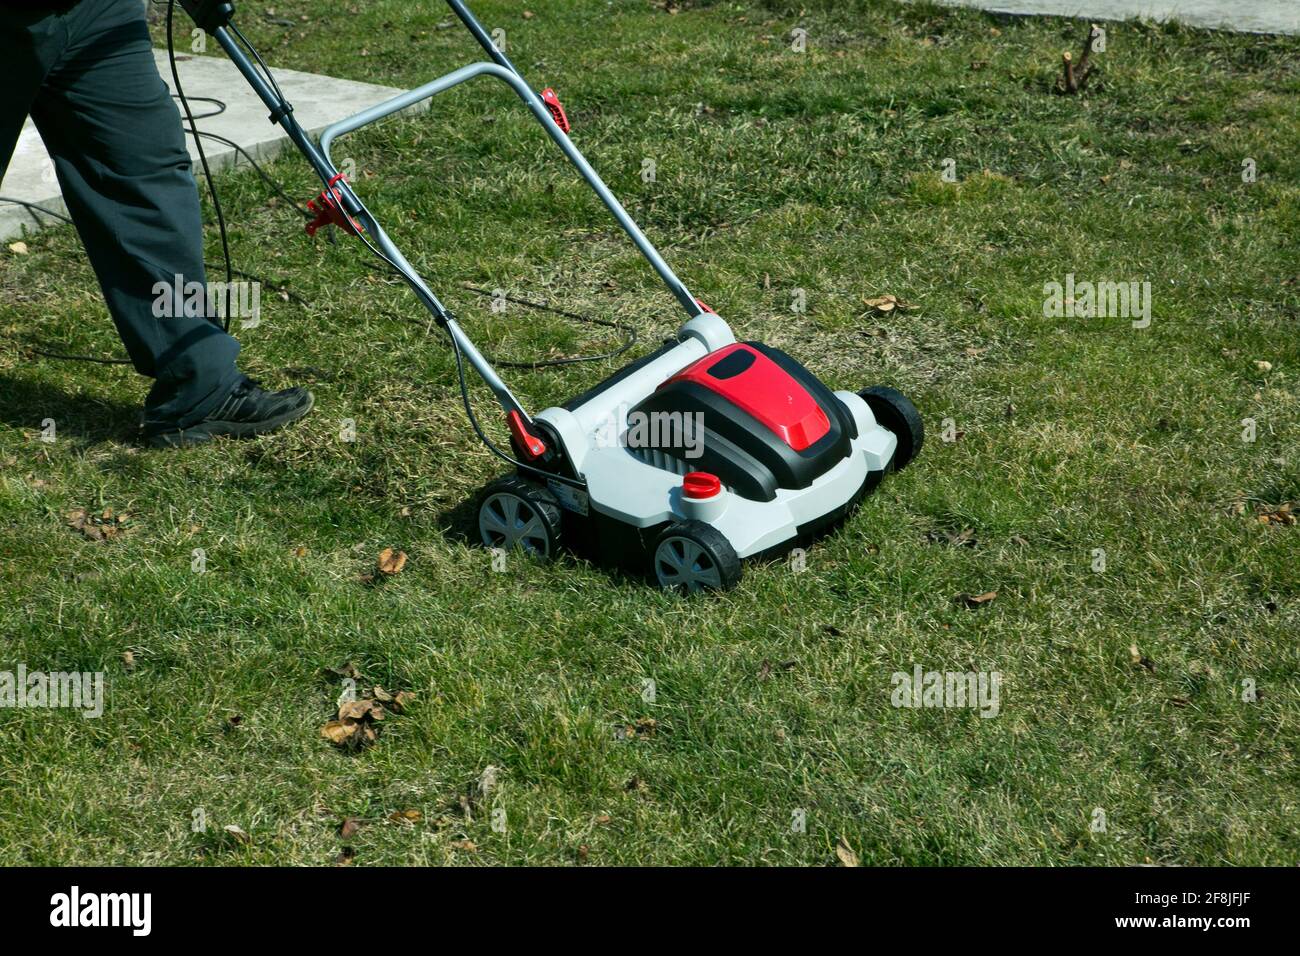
<point>31,40</point>
<point>115,136</point>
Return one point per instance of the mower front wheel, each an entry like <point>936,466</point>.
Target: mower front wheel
<point>515,513</point>
<point>895,411</point>
<point>692,556</point>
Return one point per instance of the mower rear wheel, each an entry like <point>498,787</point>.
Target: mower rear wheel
<point>692,556</point>
<point>515,513</point>
<point>895,411</point>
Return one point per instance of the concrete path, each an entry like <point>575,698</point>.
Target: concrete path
<point>318,101</point>
<point>1242,16</point>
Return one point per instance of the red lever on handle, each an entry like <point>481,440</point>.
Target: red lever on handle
<point>556,109</point>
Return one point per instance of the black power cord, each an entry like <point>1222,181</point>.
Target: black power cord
<point>203,158</point>
<point>629,333</point>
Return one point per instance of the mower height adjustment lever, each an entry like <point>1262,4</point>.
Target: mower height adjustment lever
<point>524,438</point>
<point>330,211</point>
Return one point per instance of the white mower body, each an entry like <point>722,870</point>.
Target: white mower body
<point>643,487</point>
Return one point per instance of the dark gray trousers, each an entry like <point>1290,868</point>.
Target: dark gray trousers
<point>85,73</point>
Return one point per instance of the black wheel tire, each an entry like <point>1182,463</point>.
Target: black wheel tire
<point>516,513</point>
<point>895,411</point>
<point>691,556</point>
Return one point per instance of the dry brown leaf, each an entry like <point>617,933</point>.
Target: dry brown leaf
<point>1138,658</point>
<point>237,834</point>
<point>128,660</point>
<point>350,827</point>
<point>391,562</point>
<point>338,731</point>
<point>885,304</point>
<point>345,856</point>
<point>382,695</point>
<point>101,527</point>
<point>18,247</point>
<point>351,734</point>
<point>469,846</point>
<point>975,600</point>
<point>361,710</point>
<point>406,816</point>
<point>846,854</point>
<point>1282,515</point>
<point>401,701</point>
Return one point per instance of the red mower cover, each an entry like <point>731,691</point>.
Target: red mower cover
<point>755,384</point>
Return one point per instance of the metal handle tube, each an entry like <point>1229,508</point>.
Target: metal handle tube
<point>398,103</point>
<point>481,35</point>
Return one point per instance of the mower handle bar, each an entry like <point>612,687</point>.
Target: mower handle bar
<point>217,24</point>
<point>282,114</point>
<point>542,115</point>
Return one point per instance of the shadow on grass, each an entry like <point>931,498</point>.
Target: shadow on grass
<point>81,419</point>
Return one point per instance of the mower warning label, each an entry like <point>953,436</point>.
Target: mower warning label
<point>570,498</point>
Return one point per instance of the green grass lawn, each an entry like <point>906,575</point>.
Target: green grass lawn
<point>776,171</point>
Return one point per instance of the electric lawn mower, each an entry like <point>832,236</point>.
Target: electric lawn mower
<point>759,453</point>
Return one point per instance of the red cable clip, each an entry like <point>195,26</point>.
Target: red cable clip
<point>330,211</point>
<point>553,104</point>
<point>704,305</point>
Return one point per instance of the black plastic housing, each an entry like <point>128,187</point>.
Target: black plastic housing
<point>751,459</point>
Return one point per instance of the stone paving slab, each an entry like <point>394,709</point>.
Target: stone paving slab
<point>1242,16</point>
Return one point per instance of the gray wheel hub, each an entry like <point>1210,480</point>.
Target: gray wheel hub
<point>682,564</point>
<point>508,521</point>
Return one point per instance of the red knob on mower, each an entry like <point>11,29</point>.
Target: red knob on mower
<point>701,484</point>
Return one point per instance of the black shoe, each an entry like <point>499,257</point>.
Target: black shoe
<point>248,410</point>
